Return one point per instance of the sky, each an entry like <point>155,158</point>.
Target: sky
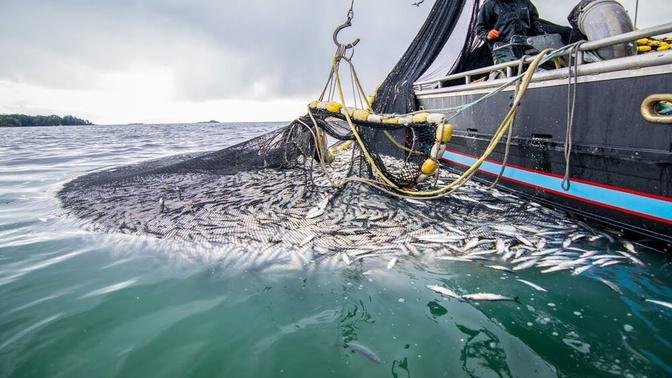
<point>163,61</point>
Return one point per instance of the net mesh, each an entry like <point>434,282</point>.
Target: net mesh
<point>289,190</point>
<point>270,194</point>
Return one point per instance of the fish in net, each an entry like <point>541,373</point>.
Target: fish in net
<point>337,182</point>
<point>272,193</point>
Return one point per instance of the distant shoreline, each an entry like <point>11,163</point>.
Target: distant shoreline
<point>22,120</point>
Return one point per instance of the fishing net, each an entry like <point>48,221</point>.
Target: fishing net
<point>275,208</point>
<point>336,183</point>
<point>297,153</point>
<point>395,95</point>
<point>316,156</point>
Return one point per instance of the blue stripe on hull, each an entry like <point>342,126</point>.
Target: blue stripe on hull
<point>609,197</point>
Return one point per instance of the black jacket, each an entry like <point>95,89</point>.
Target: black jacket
<point>510,17</point>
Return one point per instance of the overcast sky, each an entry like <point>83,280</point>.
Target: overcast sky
<point>192,60</point>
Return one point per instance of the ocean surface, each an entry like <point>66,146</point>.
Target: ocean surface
<point>78,303</point>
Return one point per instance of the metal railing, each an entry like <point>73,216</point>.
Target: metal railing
<point>509,66</point>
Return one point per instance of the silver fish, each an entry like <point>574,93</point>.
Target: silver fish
<point>471,243</point>
<point>610,263</point>
<point>577,236</point>
<point>307,240</point>
<point>523,259</point>
<point>523,240</point>
<point>505,227</point>
<point>532,285</point>
<point>633,258</point>
<point>600,262</point>
<point>564,266</point>
<point>314,213</point>
<point>589,254</point>
<point>611,285</point>
<point>580,270</point>
<point>438,238</point>
<point>556,268</point>
<point>550,233</point>
<point>453,258</point>
<point>664,304</point>
<point>629,246</point>
<point>526,265</point>
<point>444,291</point>
<point>482,253</point>
<point>364,351</point>
<point>546,252</point>
<point>499,267</point>
<point>455,230</point>
<point>488,297</point>
<point>528,229</point>
<point>500,246</point>
<point>601,257</point>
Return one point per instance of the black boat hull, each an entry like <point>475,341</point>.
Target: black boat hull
<point>620,167</point>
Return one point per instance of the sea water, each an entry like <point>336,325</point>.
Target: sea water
<point>77,303</point>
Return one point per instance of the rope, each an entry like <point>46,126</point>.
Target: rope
<point>369,159</point>
<point>503,128</point>
<point>571,107</point>
<point>461,108</point>
<point>510,135</point>
<point>318,147</point>
<point>523,81</point>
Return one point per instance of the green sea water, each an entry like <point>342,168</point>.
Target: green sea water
<point>77,303</point>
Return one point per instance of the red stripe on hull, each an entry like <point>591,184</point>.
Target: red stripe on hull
<point>605,186</point>
<point>562,194</point>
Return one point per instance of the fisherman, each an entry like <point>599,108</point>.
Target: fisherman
<point>501,21</point>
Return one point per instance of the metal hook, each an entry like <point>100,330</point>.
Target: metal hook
<point>347,24</point>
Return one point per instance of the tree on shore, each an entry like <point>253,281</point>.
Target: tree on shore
<point>17,120</point>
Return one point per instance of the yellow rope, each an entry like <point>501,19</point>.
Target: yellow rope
<point>360,142</point>
<point>468,174</point>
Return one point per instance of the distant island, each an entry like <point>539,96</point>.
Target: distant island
<point>19,120</point>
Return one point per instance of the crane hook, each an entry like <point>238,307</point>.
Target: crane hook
<point>340,45</point>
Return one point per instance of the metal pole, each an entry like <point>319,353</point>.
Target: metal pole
<point>636,13</point>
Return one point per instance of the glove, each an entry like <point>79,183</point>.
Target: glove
<point>493,35</point>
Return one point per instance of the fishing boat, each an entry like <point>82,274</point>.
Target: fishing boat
<point>590,136</point>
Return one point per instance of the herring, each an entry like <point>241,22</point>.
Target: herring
<point>661,303</point>
<point>532,285</point>
<point>525,265</point>
<point>444,291</point>
<point>471,243</point>
<point>629,246</point>
<point>580,270</point>
<point>438,238</point>
<point>611,285</point>
<point>453,258</point>
<point>364,351</point>
<point>487,297</point>
<point>524,241</point>
<point>499,267</point>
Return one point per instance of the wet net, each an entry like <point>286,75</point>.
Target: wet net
<point>333,183</point>
<point>313,159</point>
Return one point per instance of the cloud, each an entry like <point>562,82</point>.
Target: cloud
<point>195,52</point>
<point>235,49</point>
